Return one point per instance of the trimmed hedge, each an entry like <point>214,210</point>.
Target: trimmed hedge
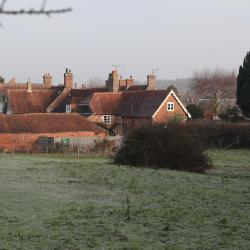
<point>220,134</point>
<point>168,146</point>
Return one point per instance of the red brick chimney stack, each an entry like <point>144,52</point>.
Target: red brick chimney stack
<point>113,82</point>
<point>48,79</point>
<point>151,82</point>
<point>68,79</point>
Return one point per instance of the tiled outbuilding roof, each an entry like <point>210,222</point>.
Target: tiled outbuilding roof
<point>46,123</point>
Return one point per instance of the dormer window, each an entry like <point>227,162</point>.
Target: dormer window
<point>68,108</point>
<point>170,106</point>
<point>85,109</point>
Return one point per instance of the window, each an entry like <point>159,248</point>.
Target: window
<point>85,109</point>
<point>170,106</point>
<point>68,108</point>
<point>107,119</point>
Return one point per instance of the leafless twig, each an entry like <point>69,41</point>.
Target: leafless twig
<point>32,11</point>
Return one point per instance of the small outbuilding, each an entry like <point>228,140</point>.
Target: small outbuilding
<point>24,131</point>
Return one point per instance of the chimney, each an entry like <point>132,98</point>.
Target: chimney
<point>47,80</point>
<point>12,80</point>
<point>68,79</point>
<point>29,86</point>
<point>112,84</point>
<point>151,82</point>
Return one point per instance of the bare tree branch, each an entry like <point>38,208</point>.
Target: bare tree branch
<point>43,4</point>
<point>2,4</point>
<point>31,11</point>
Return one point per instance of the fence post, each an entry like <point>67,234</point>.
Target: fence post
<point>238,140</point>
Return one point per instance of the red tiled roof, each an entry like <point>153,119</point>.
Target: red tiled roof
<point>21,101</point>
<point>137,87</point>
<point>128,104</point>
<point>142,103</point>
<point>22,86</point>
<point>46,123</point>
<point>77,95</point>
<point>108,103</point>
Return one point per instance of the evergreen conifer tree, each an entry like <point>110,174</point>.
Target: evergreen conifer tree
<point>243,86</point>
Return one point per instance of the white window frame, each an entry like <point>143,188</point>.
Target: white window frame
<point>68,108</point>
<point>170,106</point>
<point>107,119</point>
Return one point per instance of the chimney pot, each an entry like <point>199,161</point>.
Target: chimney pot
<point>29,86</point>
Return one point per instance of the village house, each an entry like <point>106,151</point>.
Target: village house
<point>133,109</point>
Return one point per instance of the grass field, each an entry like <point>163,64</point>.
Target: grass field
<point>67,203</point>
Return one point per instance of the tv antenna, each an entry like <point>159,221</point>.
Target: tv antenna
<point>117,66</point>
<point>154,71</point>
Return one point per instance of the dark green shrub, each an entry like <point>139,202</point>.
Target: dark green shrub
<point>2,80</point>
<point>166,146</point>
<point>232,115</point>
<point>195,111</point>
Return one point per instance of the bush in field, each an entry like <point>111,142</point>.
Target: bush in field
<point>163,147</point>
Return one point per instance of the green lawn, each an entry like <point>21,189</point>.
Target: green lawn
<point>67,203</point>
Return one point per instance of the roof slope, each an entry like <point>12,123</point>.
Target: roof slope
<point>23,86</point>
<point>46,123</point>
<point>77,95</point>
<point>108,103</point>
<point>128,104</point>
<point>58,100</point>
<point>37,101</point>
<point>137,87</point>
<point>142,103</point>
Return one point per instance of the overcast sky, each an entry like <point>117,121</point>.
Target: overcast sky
<point>176,36</point>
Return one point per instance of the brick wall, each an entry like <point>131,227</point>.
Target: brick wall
<point>164,115</point>
<point>27,142</point>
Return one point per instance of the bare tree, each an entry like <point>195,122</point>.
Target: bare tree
<point>215,86</point>
<point>95,82</point>
<point>31,11</point>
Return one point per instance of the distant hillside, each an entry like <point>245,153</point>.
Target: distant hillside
<point>182,85</point>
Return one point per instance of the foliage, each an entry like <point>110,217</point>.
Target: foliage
<point>243,86</point>
<point>216,86</point>
<point>220,133</point>
<point>172,87</point>
<point>163,147</point>
<point>2,80</point>
<point>195,111</point>
<point>232,115</point>
<point>61,202</point>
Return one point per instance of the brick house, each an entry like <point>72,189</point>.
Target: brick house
<point>126,110</point>
<point>22,132</point>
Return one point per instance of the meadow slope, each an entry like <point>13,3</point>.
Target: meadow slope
<point>67,203</point>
